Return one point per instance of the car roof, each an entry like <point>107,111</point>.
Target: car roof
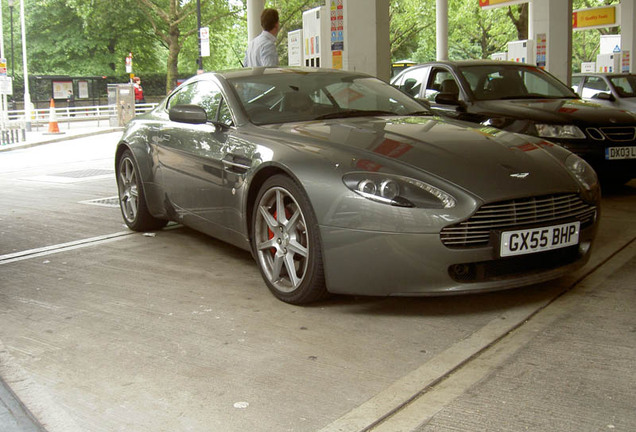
<point>474,62</point>
<point>243,72</point>
<point>605,74</point>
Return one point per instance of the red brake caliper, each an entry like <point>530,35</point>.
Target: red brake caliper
<point>270,233</point>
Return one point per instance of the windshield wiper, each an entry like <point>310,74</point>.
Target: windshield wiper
<point>353,113</point>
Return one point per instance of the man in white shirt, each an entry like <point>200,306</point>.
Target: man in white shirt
<point>261,51</point>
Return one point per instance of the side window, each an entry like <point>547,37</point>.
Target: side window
<point>411,81</point>
<point>440,81</point>
<point>183,96</point>
<point>625,86</point>
<point>576,83</point>
<point>593,86</point>
<point>206,94</point>
<point>225,116</point>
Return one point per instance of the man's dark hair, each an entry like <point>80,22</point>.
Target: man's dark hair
<point>269,18</point>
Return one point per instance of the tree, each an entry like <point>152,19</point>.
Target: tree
<point>409,19</point>
<point>174,21</point>
<point>477,33</point>
<point>520,21</point>
<point>73,37</point>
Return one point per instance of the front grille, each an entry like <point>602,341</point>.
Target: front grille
<point>517,214</point>
<point>619,134</point>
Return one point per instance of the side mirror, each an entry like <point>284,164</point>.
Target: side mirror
<point>447,99</point>
<point>604,96</point>
<point>192,114</point>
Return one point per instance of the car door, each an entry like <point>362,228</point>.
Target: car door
<point>193,157</point>
<point>597,89</point>
<point>411,80</point>
<point>442,91</point>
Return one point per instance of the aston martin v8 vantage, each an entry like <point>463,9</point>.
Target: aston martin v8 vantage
<point>338,182</point>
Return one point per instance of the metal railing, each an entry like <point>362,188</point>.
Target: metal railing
<point>13,125</point>
<point>41,116</point>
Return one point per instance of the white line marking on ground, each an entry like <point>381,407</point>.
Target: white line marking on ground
<point>62,247</point>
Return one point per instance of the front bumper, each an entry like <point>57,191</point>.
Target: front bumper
<point>596,154</point>
<point>381,264</point>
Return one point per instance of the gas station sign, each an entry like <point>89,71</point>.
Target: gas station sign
<point>584,19</point>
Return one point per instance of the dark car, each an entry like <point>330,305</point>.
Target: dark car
<point>617,90</point>
<point>339,183</point>
<point>526,99</point>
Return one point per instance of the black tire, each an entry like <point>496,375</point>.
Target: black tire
<point>132,200</point>
<point>286,242</point>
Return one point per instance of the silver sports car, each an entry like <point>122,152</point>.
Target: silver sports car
<point>339,183</point>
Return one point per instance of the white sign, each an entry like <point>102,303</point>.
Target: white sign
<point>129,64</point>
<point>83,89</point>
<point>204,34</point>
<point>295,48</point>
<point>6,85</point>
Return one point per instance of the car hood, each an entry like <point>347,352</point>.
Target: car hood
<point>488,162</point>
<point>555,111</point>
<point>628,104</point>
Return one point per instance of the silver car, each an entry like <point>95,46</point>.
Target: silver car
<point>339,183</point>
<point>613,89</point>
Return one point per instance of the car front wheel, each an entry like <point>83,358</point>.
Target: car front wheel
<point>286,242</point>
<point>132,201</point>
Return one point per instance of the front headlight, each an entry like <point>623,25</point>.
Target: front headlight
<point>398,191</point>
<point>559,131</point>
<point>585,174</point>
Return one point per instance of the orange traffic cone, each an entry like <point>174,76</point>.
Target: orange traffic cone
<point>53,127</point>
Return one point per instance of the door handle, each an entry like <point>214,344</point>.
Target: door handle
<point>236,164</point>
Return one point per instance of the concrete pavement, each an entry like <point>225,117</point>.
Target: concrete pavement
<point>111,330</point>
<point>67,130</point>
<point>14,416</point>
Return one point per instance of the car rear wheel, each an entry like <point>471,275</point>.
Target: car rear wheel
<point>132,201</point>
<point>286,242</point>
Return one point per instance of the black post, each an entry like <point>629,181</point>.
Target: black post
<point>12,55</point>
<point>200,61</point>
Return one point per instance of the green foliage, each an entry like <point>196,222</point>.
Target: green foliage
<point>82,37</point>
<point>412,27</point>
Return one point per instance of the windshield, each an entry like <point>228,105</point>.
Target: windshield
<point>496,82</point>
<point>302,96</point>
<point>625,85</point>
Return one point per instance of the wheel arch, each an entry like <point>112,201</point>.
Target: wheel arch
<point>255,186</point>
<point>151,190</point>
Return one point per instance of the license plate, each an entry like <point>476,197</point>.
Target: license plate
<point>617,153</point>
<point>534,240</point>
